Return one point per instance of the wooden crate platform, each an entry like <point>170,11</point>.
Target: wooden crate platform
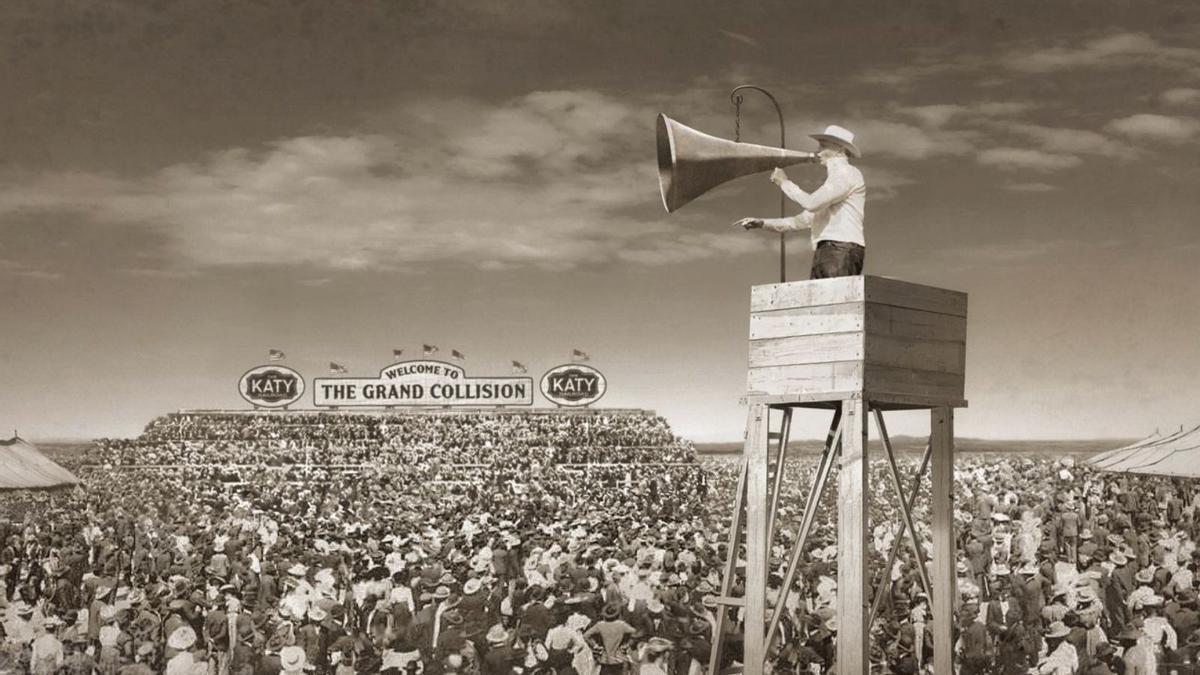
<point>897,344</point>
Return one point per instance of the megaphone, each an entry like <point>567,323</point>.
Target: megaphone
<point>691,162</point>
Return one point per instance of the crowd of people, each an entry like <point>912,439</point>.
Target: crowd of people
<point>475,437</point>
<point>543,566</point>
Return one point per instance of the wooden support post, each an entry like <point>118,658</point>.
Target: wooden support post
<point>853,644</point>
<point>941,441</point>
<point>757,547</point>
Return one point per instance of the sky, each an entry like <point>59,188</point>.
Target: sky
<point>185,184</point>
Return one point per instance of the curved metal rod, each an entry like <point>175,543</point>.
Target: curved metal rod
<point>737,99</point>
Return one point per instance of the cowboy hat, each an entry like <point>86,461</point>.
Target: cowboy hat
<point>292,658</point>
<point>1057,629</point>
<point>841,136</point>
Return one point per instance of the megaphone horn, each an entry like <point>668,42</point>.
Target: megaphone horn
<point>691,162</point>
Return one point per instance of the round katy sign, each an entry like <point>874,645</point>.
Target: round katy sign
<point>271,386</point>
<point>573,385</point>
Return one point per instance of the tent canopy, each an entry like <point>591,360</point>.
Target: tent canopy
<point>24,467</point>
<point>1176,454</point>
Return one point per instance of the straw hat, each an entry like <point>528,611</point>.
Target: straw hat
<point>840,136</point>
<point>472,586</point>
<point>1057,629</point>
<point>497,635</point>
<point>292,659</point>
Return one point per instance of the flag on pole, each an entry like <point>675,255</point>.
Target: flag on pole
<point>519,368</point>
<point>579,355</point>
<point>457,354</point>
<point>275,355</point>
<point>430,350</point>
<point>337,369</point>
<point>397,353</point>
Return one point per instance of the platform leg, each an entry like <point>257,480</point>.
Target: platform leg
<point>757,547</point>
<point>941,441</point>
<point>853,641</point>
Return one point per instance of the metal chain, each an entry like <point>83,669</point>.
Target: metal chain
<point>737,118</point>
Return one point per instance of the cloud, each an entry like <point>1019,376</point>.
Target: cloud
<point>1156,127</point>
<point>1072,141</point>
<point>1121,49</point>
<point>883,184</point>
<point>543,180</point>
<point>1024,158</point>
<point>744,39</point>
<point>938,115</point>
<point>905,141</point>
<point>1181,96</point>
<point>15,268</point>
<point>1030,187</point>
<point>907,75</point>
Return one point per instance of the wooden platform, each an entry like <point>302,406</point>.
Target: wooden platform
<point>897,344</point>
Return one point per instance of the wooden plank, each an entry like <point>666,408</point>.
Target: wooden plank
<point>757,546</point>
<point>886,402</point>
<point>882,380</point>
<point>915,296</point>
<point>853,645</point>
<point>941,441</point>
<point>818,378</point>
<point>805,349</point>
<point>845,317</point>
<point>806,293</point>
<point>909,353</point>
<point>914,323</point>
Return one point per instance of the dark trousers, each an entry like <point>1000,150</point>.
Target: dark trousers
<point>837,259</point>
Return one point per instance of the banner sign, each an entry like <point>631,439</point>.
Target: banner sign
<point>424,382</point>
<point>573,385</point>
<point>271,386</point>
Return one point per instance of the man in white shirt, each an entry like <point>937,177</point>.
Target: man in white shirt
<point>833,213</point>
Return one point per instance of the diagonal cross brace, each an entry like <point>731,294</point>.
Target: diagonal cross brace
<point>905,504</point>
<point>883,588</point>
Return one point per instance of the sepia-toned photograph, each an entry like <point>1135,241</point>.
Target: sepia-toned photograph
<point>543,337</point>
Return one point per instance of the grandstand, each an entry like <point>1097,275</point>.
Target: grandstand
<point>470,437</point>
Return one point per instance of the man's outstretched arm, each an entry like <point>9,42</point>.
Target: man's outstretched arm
<point>802,221</point>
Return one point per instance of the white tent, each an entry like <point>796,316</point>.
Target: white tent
<point>1177,454</point>
<point>1103,458</point>
<point>24,467</point>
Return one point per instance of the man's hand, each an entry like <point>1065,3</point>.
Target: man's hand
<point>750,223</point>
<point>778,176</point>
